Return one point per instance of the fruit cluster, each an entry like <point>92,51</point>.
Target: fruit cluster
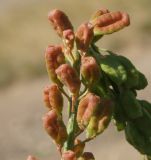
<point>99,85</point>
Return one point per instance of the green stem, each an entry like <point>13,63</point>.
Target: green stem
<point>65,94</point>
<point>83,94</point>
<point>69,108</point>
<point>95,54</point>
<point>69,144</point>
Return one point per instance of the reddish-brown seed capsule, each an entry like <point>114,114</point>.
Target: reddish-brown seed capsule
<point>110,22</point>
<point>68,76</point>
<point>68,36</point>
<point>46,97</point>
<point>79,147</point>
<point>87,107</point>
<point>55,98</point>
<point>50,124</point>
<point>90,69</point>
<point>60,21</point>
<point>87,156</point>
<point>31,158</point>
<point>99,13</point>
<point>54,57</point>
<point>55,127</point>
<point>105,116</point>
<point>84,36</point>
<point>69,155</point>
<point>100,120</point>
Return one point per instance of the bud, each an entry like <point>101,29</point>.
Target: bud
<point>68,36</point>
<point>54,58</point>
<point>31,158</point>
<point>55,127</point>
<point>79,147</point>
<point>99,13</point>
<point>60,21</point>
<point>110,22</point>
<point>84,36</point>
<point>87,107</point>
<point>87,156</point>
<point>69,155</point>
<point>68,76</point>
<point>90,69</point>
<point>46,97</point>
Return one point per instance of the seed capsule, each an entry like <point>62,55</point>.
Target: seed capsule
<point>55,98</point>
<point>54,57</point>
<point>84,36</point>
<point>69,155</point>
<point>68,76</point>
<point>60,21</point>
<point>79,147</point>
<point>31,158</point>
<point>90,69</point>
<point>68,40</point>
<point>55,127</point>
<point>68,36</point>
<point>87,107</point>
<point>87,156</point>
<point>46,97</point>
<point>110,22</point>
<point>100,119</point>
<point>99,13</point>
<point>105,116</point>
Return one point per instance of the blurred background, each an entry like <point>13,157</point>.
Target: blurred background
<point>24,35</point>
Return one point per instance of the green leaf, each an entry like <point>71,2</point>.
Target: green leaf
<point>144,122</point>
<point>130,104</point>
<point>142,82</point>
<point>135,138</point>
<point>132,73</point>
<point>113,69</point>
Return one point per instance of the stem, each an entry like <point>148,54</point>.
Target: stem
<point>86,140</point>
<point>69,144</point>
<point>79,133</point>
<point>84,93</point>
<point>95,54</point>
<point>65,94</point>
<point>69,108</point>
<point>59,149</point>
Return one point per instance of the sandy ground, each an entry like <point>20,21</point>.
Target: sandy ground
<point>21,110</point>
